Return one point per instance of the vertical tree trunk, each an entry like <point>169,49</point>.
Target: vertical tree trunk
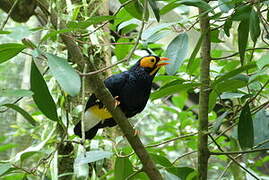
<point>203,152</point>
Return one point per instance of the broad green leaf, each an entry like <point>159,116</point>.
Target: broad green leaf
<point>25,114</point>
<point>92,156</point>
<point>242,13</point>
<point>215,36</point>
<point>15,92</point>
<point>152,30</point>
<point>243,31</point>
<point>229,95</point>
<point>89,22</point>
<point>14,176</point>
<point>170,6</point>
<point>134,8</point>
<point>227,26</point>
<point>161,160</point>
<point>232,84</point>
<point>233,73</point>
<point>181,172</point>
<point>10,50</point>
<point>127,23</point>
<point>190,65</point>
<point>177,51</point>
<point>225,5</point>
<point>155,9</point>
<point>197,3</point>
<point>4,167</point>
<point>263,61</point>
<point>42,97</point>
<point>261,123</point>
<point>4,32</point>
<point>157,36</point>
<point>254,26</point>
<point>123,168</point>
<point>29,154</point>
<point>172,90</point>
<point>245,128</point>
<point>173,83</point>
<point>122,50</point>
<point>212,100</point>
<point>7,146</point>
<point>64,73</point>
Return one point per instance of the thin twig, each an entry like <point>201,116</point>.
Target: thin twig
<point>236,53</point>
<point>232,158</point>
<point>9,13</point>
<point>83,102</point>
<point>238,152</point>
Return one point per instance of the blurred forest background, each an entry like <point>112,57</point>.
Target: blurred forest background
<point>39,107</point>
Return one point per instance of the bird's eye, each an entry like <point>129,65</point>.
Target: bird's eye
<point>152,60</point>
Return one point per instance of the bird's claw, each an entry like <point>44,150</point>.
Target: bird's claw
<point>117,102</point>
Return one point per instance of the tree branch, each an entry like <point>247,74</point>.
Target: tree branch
<point>98,87</point>
<point>203,152</point>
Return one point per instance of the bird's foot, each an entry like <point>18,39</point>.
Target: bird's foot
<point>136,132</point>
<point>117,102</point>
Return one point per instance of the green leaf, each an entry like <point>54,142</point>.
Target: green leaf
<point>91,21</point>
<point>25,114</point>
<point>4,168</point>
<point>172,90</point>
<point>232,84</point>
<point>245,128</point>
<point>243,30</point>
<point>242,13</point>
<point>161,160</point>
<point>177,51</point>
<point>191,63</point>
<point>261,124</point>
<point>197,3</point>
<point>254,26</point>
<point>15,92</point>
<point>123,168</point>
<point>10,50</point>
<point>42,96</point>
<point>4,32</point>
<point>227,26</point>
<point>155,9</point>
<point>152,30</point>
<point>64,73</point>
<point>212,100</point>
<point>181,172</point>
<point>7,146</point>
<point>229,95</point>
<point>263,61</point>
<point>225,5</point>
<point>14,176</point>
<point>122,50</point>
<point>170,6</point>
<point>233,73</point>
<point>134,8</point>
<point>92,156</point>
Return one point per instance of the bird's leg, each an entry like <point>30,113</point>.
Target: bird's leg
<point>117,102</point>
<point>136,132</point>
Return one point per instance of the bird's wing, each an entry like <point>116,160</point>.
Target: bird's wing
<point>116,82</point>
<point>95,111</point>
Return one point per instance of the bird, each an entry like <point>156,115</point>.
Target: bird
<point>130,89</point>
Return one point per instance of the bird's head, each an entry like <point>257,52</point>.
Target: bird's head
<point>151,64</point>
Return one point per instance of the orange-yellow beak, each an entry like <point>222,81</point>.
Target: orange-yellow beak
<point>161,63</point>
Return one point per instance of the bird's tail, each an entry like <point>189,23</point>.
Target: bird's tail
<point>88,134</point>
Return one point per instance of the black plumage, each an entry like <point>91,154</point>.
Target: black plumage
<point>131,88</point>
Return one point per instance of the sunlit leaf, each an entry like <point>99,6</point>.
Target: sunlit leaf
<point>263,61</point>
<point>177,51</point>
<point>7,146</point>
<point>92,156</point>
<point>10,50</point>
<point>123,168</point>
<point>42,96</point>
<point>25,114</point>
<point>64,73</point>
<point>245,128</point>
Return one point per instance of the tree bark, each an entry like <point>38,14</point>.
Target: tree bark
<point>203,152</point>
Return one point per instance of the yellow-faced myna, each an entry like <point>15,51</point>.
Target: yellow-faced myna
<point>131,88</point>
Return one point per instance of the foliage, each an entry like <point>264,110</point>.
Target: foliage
<point>52,100</point>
